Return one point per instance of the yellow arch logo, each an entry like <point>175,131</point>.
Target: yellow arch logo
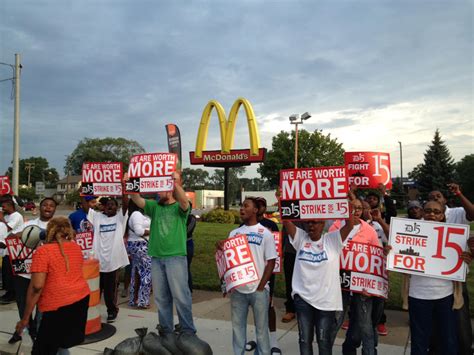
<point>227,127</point>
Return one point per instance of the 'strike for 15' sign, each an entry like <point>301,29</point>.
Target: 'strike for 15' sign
<point>5,187</point>
<point>278,245</point>
<point>20,255</point>
<point>102,179</point>
<point>363,269</point>
<point>151,173</point>
<point>428,248</point>
<point>235,263</point>
<point>314,193</point>
<point>368,169</point>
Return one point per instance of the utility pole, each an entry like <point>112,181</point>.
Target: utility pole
<point>29,166</point>
<point>401,168</point>
<point>16,121</point>
<point>16,128</point>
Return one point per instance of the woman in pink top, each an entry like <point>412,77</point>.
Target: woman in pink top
<point>59,290</point>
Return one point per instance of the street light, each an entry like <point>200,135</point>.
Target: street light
<point>401,167</point>
<point>296,120</point>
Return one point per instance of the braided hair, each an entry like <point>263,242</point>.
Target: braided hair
<point>58,230</point>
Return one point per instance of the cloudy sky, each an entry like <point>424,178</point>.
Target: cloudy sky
<point>371,73</point>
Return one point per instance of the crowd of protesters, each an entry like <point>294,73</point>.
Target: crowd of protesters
<point>154,238</point>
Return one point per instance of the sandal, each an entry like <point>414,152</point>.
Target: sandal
<point>251,345</point>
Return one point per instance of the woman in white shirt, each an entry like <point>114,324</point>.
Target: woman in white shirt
<point>137,247</point>
<point>316,285</point>
<point>430,298</point>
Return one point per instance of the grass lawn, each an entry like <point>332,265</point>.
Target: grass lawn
<point>204,268</point>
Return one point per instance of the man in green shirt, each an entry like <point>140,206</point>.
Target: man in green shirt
<point>167,248</point>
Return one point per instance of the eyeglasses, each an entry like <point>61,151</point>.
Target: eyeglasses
<point>429,211</point>
<point>358,208</point>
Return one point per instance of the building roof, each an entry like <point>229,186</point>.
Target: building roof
<point>71,179</point>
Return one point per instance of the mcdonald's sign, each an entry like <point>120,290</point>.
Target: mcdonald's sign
<point>227,157</point>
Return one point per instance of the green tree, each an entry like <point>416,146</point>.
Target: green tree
<point>36,169</point>
<point>217,181</point>
<point>314,149</point>
<point>101,150</point>
<point>465,175</point>
<point>195,179</point>
<point>438,167</point>
<point>254,184</point>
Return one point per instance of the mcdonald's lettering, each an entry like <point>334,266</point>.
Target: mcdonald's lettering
<point>227,156</point>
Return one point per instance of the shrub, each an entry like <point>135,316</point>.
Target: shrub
<point>236,214</point>
<point>218,215</point>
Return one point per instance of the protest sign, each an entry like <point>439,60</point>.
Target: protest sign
<point>20,255</point>
<point>428,248</point>
<point>151,173</point>
<point>102,179</point>
<point>368,169</point>
<point>84,240</point>
<point>5,187</point>
<point>235,263</point>
<point>278,242</point>
<point>363,269</point>
<point>314,193</point>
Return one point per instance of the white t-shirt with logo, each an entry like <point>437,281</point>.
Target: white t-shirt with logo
<point>108,244</point>
<point>456,215</point>
<point>316,272</point>
<point>262,246</point>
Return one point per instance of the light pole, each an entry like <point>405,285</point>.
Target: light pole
<point>401,167</point>
<point>296,120</point>
<point>16,123</point>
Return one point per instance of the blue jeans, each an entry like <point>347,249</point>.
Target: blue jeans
<point>170,284</point>
<point>423,313</point>
<point>365,313</point>
<point>240,303</point>
<point>312,320</point>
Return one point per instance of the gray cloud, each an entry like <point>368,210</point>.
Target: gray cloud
<point>127,68</point>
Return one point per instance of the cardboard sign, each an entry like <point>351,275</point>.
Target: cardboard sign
<point>428,248</point>
<point>84,240</point>
<point>20,255</point>
<point>314,193</point>
<point>363,267</point>
<point>368,169</point>
<point>278,245</point>
<point>5,187</point>
<point>102,179</point>
<point>151,173</point>
<point>235,263</point>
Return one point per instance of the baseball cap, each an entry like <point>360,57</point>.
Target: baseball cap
<point>90,198</point>
<point>413,204</point>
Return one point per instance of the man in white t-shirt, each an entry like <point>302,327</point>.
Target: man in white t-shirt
<point>109,248</point>
<point>13,222</point>
<point>316,284</point>
<point>255,294</point>
<point>22,281</point>
<point>459,215</point>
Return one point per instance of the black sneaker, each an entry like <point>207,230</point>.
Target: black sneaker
<point>111,317</point>
<point>15,337</point>
<point>7,299</point>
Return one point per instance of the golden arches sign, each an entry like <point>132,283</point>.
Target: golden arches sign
<point>227,155</point>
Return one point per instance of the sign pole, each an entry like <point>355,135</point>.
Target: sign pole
<point>226,188</point>
<point>16,128</point>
